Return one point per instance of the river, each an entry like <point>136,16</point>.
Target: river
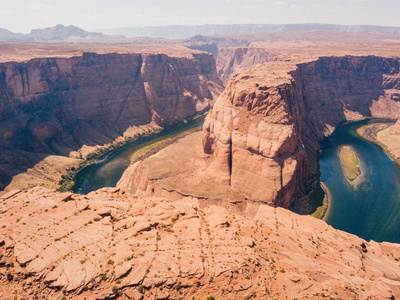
<point>107,171</point>
<point>370,209</point>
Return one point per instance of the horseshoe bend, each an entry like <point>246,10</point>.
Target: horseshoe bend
<point>207,216</point>
<point>263,133</point>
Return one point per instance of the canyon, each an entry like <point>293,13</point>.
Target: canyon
<point>55,106</point>
<point>205,217</point>
<point>261,140</point>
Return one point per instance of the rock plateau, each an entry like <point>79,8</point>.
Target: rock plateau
<point>199,219</point>
<point>110,244</point>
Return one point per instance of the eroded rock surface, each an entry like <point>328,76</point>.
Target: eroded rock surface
<point>110,243</point>
<point>57,105</point>
<point>265,127</point>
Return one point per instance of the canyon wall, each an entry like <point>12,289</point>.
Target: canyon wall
<point>232,60</point>
<point>265,128</point>
<point>56,105</point>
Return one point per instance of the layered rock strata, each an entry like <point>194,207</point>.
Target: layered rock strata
<point>110,244</point>
<point>56,105</point>
<point>238,59</point>
<point>265,128</point>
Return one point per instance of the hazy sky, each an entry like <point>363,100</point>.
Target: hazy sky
<point>24,15</point>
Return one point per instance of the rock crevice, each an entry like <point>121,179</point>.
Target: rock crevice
<point>278,113</point>
<point>57,105</point>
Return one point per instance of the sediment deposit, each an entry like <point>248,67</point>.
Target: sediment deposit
<point>267,123</point>
<point>386,135</point>
<point>191,221</point>
<point>261,140</point>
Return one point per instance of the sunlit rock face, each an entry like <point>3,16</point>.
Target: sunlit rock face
<point>110,244</point>
<point>56,105</point>
<point>264,129</point>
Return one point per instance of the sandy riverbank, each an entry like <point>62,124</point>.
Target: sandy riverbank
<point>327,200</point>
<point>384,135</point>
<point>350,162</point>
<point>321,211</point>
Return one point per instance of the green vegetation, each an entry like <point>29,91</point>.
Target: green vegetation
<point>67,181</point>
<point>349,161</point>
<point>9,276</point>
<point>116,290</point>
<point>322,208</point>
<point>159,144</point>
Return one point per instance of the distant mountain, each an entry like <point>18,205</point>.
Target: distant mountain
<point>185,31</point>
<point>61,32</point>
<point>4,33</point>
<point>200,33</point>
<point>56,33</point>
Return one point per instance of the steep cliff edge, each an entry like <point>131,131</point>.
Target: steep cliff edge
<point>111,245</point>
<point>57,105</point>
<point>264,129</point>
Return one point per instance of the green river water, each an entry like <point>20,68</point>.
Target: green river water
<point>107,171</point>
<point>370,210</point>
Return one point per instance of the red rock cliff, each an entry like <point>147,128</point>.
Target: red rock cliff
<point>109,244</point>
<point>55,105</point>
<point>265,127</point>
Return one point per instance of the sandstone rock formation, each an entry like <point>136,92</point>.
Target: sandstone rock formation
<point>265,127</point>
<point>109,244</point>
<point>56,105</point>
<point>185,223</point>
<point>243,52</point>
<point>238,59</point>
<point>262,137</point>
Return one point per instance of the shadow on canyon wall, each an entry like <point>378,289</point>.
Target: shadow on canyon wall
<point>271,151</point>
<point>57,105</point>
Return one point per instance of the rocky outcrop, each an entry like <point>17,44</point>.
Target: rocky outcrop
<point>56,105</point>
<point>238,59</point>
<point>109,244</point>
<point>386,135</point>
<point>265,128</point>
